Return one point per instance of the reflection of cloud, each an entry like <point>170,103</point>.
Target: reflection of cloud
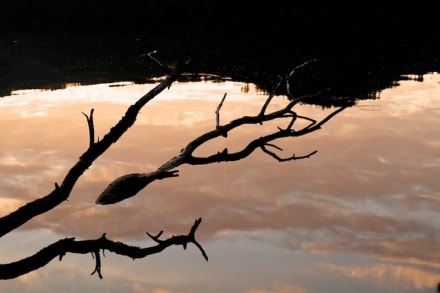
<point>344,202</point>
<point>279,288</point>
<point>396,275</point>
<point>8,205</point>
<point>158,290</point>
<point>415,251</point>
<point>372,189</point>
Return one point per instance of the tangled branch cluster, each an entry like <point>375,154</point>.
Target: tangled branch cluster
<point>129,185</point>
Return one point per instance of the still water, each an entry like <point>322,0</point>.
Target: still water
<point>361,215</point>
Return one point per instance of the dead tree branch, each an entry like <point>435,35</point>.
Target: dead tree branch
<point>125,187</point>
<point>130,184</point>
<point>70,245</point>
<point>62,192</point>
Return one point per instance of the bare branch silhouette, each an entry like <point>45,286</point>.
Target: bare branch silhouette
<point>129,185</point>
<point>95,149</point>
<point>70,245</point>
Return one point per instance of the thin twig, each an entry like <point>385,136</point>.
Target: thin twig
<point>270,97</point>
<point>91,126</point>
<point>217,112</point>
<point>279,159</point>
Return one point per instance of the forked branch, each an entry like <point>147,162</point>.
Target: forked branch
<point>61,192</point>
<point>129,185</point>
<point>120,191</point>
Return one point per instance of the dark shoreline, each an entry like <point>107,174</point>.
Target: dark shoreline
<point>349,70</point>
<point>360,49</point>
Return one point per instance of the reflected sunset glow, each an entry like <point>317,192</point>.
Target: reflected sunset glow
<point>362,212</point>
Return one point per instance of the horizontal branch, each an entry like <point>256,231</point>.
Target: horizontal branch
<point>70,245</point>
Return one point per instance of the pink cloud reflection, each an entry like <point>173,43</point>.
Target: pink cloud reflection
<point>372,188</point>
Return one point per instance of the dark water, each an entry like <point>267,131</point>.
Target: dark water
<point>360,48</point>
<point>342,69</point>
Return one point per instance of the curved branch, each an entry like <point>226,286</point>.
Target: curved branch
<point>186,154</point>
<point>62,192</point>
<point>70,245</point>
<point>279,159</point>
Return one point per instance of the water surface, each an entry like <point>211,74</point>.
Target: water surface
<point>359,216</point>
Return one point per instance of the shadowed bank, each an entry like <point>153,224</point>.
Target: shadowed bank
<point>361,47</point>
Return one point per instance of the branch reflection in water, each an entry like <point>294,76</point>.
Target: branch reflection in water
<point>360,215</point>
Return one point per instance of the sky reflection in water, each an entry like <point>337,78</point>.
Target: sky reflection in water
<point>359,216</point>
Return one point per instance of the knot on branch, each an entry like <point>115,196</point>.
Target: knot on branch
<point>62,243</point>
<point>289,127</point>
<point>222,155</point>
